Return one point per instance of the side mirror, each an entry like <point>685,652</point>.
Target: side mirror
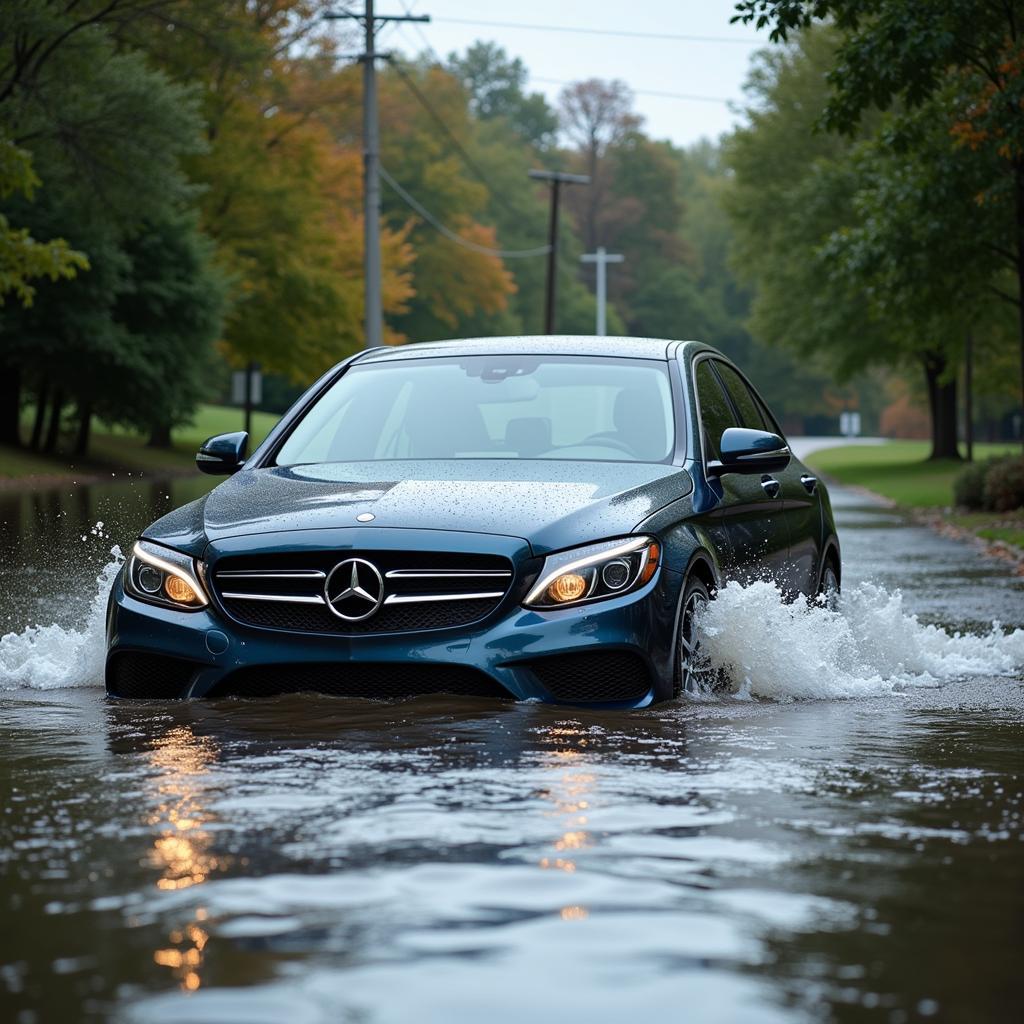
<point>750,451</point>
<point>223,454</point>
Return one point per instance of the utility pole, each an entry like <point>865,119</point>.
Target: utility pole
<point>371,163</point>
<point>969,396</point>
<point>557,179</point>
<point>602,259</point>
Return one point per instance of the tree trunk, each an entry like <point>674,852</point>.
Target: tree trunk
<point>159,437</point>
<point>943,407</point>
<point>10,404</point>
<point>42,398</point>
<point>53,427</point>
<point>84,423</point>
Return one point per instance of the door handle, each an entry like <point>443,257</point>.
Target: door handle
<point>810,482</point>
<point>771,486</point>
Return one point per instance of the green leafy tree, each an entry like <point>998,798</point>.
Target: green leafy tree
<point>966,54</point>
<point>795,196</point>
<point>22,257</point>
<point>496,85</point>
<point>107,134</point>
<point>172,305</point>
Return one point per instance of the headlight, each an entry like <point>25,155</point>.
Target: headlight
<point>164,577</point>
<point>597,571</point>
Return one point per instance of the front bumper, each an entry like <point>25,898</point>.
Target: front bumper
<point>509,646</point>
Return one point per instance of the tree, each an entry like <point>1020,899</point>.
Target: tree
<point>895,53</point>
<point>172,305</point>
<point>496,84</point>
<point>282,195</point>
<point>22,258</point>
<point>595,115</point>
<point>799,199</point>
<point>106,133</point>
<point>454,285</point>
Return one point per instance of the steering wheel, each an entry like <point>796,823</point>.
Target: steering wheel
<point>607,441</point>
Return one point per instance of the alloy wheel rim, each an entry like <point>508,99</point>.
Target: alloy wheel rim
<point>689,642</point>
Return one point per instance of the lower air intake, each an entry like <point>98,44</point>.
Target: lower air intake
<point>148,676</point>
<point>597,677</point>
<point>355,679</point>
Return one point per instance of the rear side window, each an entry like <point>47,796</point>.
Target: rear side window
<point>716,414</point>
<point>746,404</point>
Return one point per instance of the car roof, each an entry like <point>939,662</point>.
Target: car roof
<point>536,344</point>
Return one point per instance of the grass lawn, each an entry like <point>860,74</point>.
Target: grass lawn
<point>899,470</point>
<point>115,449</point>
<point>1005,526</point>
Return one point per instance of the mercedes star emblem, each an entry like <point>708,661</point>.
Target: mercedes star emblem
<point>354,589</point>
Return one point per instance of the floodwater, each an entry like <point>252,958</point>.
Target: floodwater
<point>841,840</point>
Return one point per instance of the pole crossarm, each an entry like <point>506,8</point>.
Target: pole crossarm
<point>602,258</point>
<point>562,177</point>
<point>357,16</point>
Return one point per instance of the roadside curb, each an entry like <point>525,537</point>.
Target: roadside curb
<point>935,520</point>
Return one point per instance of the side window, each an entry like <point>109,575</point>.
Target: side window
<point>715,412</point>
<point>746,404</point>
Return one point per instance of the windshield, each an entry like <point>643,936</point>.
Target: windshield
<point>490,407</point>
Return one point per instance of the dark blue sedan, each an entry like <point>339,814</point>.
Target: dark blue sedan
<point>531,518</point>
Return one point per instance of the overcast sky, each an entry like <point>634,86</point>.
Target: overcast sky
<point>712,69</point>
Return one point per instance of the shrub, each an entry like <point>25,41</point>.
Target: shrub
<point>969,485</point>
<point>1004,485</point>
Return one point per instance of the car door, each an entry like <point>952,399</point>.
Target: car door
<point>747,513</point>
<point>800,509</point>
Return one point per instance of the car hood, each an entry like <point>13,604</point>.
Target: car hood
<point>549,503</point>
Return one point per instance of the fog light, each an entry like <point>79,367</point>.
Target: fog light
<point>178,590</point>
<point>570,587</point>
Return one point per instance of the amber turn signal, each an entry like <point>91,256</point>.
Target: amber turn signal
<point>178,590</point>
<point>651,565</point>
<point>570,587</point>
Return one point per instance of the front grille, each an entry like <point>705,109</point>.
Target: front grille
<point>421,590</point>
<point>148,676</point>
<point>355,679</point>
<point>593,677</point>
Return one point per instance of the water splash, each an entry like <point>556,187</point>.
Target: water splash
<point>870,646</point>
<point>53,657</point>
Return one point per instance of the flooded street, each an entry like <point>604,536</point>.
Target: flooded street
<point>855,854</point>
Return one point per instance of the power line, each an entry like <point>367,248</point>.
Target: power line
<point>418,207</point>
<point>459,148</point>
<point>685,96</point>
<point>582,30</point>
<point>645,92</point>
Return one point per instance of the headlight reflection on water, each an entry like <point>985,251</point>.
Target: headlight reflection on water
<point>182,851</point>
<point>570,795</point>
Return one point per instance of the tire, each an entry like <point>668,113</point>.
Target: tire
<point>689,674</point>
<point>829,588</point>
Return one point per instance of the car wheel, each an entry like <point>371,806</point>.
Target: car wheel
<point>828,589</point>
<point>692,673</point>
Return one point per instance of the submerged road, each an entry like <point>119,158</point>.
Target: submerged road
<point>855,856</point>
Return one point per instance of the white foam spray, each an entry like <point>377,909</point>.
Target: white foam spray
<point>869,646</point>
<point>53,657</point>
